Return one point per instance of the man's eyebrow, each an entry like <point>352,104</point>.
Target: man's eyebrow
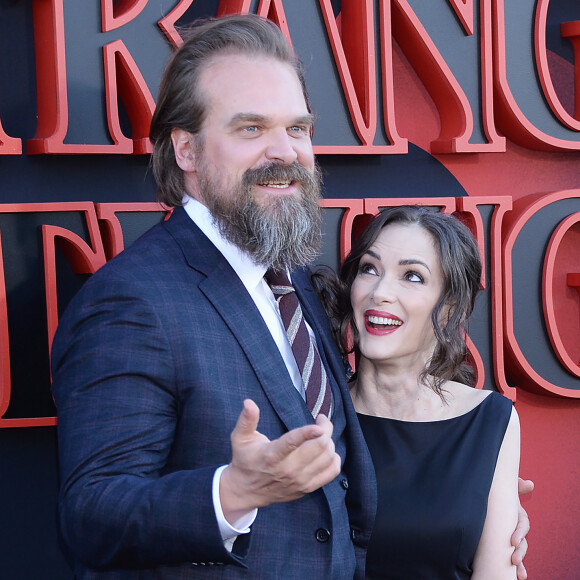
<point>304,120</point>
<point>307,119</point>
<point>247,118</point>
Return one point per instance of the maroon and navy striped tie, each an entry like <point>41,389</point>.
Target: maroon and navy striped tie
<point>314,377</point>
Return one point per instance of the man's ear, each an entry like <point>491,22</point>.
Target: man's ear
<point>183,147</point>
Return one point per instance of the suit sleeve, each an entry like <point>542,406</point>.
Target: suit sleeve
<point>115,392</point>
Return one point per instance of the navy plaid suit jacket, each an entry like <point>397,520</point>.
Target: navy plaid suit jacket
<point>151,362</point>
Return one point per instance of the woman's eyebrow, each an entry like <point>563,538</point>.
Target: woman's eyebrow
<point>413,262</point>
<point>372,254</point>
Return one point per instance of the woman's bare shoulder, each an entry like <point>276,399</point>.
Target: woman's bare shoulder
<point>463,398</point>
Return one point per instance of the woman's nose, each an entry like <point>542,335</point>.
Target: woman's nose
<point>384,291</point>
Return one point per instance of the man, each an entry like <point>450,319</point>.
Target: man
<point>162,475</point>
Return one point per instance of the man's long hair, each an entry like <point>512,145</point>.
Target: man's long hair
<point>181,105</point>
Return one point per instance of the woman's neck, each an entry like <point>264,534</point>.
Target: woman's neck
<point>386,390</point>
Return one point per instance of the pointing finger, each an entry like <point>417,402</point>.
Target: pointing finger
<point>289,442</point>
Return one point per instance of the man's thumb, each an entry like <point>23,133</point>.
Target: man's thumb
<point>247,422</point>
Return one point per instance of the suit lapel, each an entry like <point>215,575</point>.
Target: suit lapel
<point>225,291</point>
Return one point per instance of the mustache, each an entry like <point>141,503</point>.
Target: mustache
<point>277,172</point>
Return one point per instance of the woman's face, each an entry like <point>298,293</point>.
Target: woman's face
<point>397,287</point>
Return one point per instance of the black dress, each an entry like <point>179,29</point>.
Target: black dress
<point>433,483</point>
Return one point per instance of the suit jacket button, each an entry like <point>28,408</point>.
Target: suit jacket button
<point>344,483</point>
<point>322,535</point>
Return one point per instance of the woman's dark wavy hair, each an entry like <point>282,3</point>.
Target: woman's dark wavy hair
<point>461,267</point>
<point>181,105</point>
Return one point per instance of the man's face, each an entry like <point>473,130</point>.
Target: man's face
<point>256,115</point>
<point>253,162</point>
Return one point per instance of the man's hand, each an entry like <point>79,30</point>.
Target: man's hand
<point>263,472</point>
<point>519,536</point>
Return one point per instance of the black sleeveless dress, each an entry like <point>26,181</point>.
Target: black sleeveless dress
<point>433,483</point>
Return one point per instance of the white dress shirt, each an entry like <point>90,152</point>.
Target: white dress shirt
<point>252,277</point>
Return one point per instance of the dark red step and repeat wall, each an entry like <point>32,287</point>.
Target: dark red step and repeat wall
<point>470,106</point>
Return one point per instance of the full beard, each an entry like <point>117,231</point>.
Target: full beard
<point>281,232</point>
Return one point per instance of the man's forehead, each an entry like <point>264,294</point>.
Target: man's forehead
<point>252,86</point>
<point>253,61</point>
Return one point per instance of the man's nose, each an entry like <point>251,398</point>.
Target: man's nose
<point>280,147</point>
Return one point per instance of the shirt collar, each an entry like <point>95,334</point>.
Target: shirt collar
<point>250,273</point>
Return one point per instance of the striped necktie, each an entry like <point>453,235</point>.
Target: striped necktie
<point>314,377</point>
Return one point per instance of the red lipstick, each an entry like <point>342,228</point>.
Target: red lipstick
<point>381,323</point>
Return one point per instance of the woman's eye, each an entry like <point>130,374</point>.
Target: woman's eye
<point>414,277</point>
<point>365,268</point>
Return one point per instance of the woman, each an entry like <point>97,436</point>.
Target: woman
<point>446,455</point>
